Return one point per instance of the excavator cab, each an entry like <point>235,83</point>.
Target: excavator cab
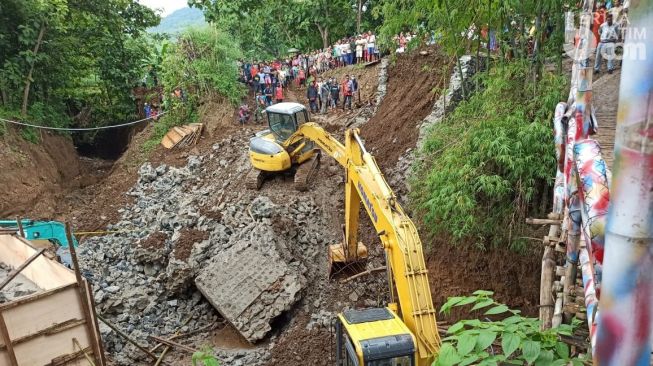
<point>373,337</point>
<point>272,150</point>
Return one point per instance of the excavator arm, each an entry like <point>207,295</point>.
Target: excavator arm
<point>365,183</point>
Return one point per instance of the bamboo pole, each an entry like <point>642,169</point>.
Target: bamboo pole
<point>129,339</point>
<point>83,297</point>
<point>174,344</point>
<point>546,288</point>
<point>364,273</point>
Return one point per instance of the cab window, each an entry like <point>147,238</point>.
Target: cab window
<point>394,361</point>
<point>302,117</point>
<point>282,125</point>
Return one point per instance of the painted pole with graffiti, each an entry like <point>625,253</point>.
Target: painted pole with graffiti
<point>626,319</point>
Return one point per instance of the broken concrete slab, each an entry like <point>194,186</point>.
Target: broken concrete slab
<point>251,283</point>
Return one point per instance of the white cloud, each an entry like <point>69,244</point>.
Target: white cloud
<point>168,6</point>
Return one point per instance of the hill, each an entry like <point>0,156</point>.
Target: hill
<point>179,20</point>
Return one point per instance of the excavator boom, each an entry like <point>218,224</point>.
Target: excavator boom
<point>365,183</point>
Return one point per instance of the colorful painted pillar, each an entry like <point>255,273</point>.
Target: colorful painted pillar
<point>626,319</point>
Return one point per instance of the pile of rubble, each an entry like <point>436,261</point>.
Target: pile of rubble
<point>251,264</point>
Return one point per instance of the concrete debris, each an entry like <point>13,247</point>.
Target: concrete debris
<point>264,245</point>
<point>250,283</point>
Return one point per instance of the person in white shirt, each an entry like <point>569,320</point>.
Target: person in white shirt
<point>360,44</point>
<point>609,35</point>
<point>371,40</point>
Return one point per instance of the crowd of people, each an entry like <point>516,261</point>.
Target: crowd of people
<point>269,80</point>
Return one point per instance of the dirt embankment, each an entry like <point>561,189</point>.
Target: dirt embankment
<point>415,81</point>
<point>99,189</point>
<point>30,172</point>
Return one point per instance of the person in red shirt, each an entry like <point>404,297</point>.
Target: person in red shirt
<point>599,18</point>
<point>278,94</point>
<point>302,78</point>
<point>253,71</point>
<point>346,92</point>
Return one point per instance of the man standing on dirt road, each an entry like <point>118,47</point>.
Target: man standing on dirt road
<point>346,92</point>
<point>335,93</point>
<point>312,95</point>
<point>324,96</point>
<point>609,33</point>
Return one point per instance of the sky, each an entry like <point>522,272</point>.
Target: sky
<point>168,6</point>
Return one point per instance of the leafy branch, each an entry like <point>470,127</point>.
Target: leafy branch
<point>512,339</point>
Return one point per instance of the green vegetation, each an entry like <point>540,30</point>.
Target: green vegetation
<point>67,62</point>
<point>205,357</point>
<point>487,165</point>
<point>514,340</point>
<point>202,63</point>
<point>268,28</point>
<point>179,21</point>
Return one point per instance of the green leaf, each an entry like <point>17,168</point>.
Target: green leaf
<point>482,304</point>
<point>469,360</point>
<point>488,362</point>
<point>466,344</point>
<point>531,350</point>
<point>450,303</point>
<point>545,358</point>
<point>512,319</point>
<point>483,293</point>
<point>447,356</point>
<point>562,350</point>
<point>509,343</point>
<point>467,301</point>
<point>559,362</point>
<point>497,310</point>
<point>455,328</point>
<point>485,339</point>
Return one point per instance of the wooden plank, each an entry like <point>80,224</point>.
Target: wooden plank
<point>34,297</point>
<point>83,297</point>
<point>13,361</point>
<point>33,317</point>
<point>532,221</point>
<point>66,359</point>
<point>97,336</point>
<point>45,273</point>
<point>41,350</point>
<point>51,330</point>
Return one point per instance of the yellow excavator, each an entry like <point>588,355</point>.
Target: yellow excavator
<point>404,333</point>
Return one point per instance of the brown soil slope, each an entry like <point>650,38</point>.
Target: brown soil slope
<point>30,172</point>
<point>414,84</point>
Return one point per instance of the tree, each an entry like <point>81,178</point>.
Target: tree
<point>72,55</point>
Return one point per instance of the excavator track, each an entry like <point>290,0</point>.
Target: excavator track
<point>306,172</point>
<point>254,179</point>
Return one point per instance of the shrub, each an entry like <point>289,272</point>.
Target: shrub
<point>485,166</point>
<point>514,339</point>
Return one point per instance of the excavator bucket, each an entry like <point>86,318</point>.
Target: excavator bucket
<point>339,261</point>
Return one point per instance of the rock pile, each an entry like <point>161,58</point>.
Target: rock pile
<point>144,276</point>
